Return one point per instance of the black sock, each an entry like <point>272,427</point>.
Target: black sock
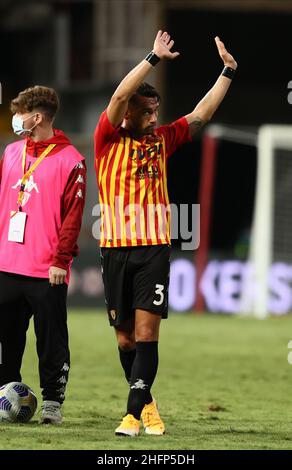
<point>127,358</point>
<point>143,374</point>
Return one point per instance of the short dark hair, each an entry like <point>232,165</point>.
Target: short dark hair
<point>39,98</point>
<point>145,90</point>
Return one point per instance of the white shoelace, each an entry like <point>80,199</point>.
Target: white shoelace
<point>50,408</point>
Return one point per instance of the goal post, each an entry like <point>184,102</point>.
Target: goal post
<point>266,277</point>
<point>267,234</point>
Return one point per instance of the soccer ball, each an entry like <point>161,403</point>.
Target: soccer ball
<point>18,403</point>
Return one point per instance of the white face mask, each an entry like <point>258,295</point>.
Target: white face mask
<point>17,125</point>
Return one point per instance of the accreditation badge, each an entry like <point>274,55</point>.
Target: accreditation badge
<point>17,226</point>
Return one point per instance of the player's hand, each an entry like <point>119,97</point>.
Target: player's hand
<point>57,276</point>
<point>162,45</point>
<point>227,58</point>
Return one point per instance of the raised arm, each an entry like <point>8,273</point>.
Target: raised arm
<point>205,109</point>
<point>119,102</point>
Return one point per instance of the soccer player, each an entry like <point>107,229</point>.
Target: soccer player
<point>42,190</point>
<point>130,158</point>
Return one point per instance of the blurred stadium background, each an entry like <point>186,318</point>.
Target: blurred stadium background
<point>224,381</point>
<point>83,49</point>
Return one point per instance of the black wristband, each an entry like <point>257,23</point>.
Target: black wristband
<point>228,72</point>
<point>152,58</point>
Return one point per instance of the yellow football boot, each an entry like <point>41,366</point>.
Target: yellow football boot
<point>152,422</point>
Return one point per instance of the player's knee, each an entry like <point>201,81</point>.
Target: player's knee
<point>126,343</point>
<point>147,333</point>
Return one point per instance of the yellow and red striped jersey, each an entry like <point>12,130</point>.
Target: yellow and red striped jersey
<point>132,181</point>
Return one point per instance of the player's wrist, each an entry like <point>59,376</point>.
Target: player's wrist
<point>153,58</point>
<point>228,72</point>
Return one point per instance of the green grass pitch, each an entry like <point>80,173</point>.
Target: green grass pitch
<point>223,383</point>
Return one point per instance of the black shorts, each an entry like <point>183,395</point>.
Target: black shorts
<point>135,277</point>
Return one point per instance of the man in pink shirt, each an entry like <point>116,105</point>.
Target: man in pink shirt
<point>42,194</point>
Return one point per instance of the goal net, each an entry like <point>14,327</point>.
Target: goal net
<point>265,284</point>
<point>267,287</point>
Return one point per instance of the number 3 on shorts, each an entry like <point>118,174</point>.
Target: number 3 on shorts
<point>159,291</point>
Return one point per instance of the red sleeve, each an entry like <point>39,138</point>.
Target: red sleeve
<point>175,134</point>
<point>105,133</point>
<point>73,201</point>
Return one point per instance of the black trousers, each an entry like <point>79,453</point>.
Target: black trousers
<point>22,297</point>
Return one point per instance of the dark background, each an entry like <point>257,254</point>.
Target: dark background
<point>260,42</point>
